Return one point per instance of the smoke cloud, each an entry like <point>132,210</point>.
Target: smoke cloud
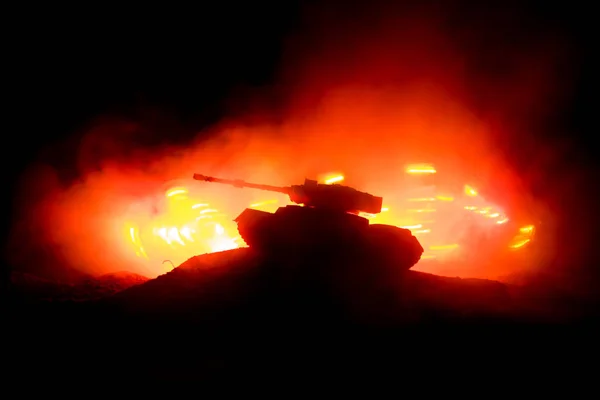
<point>362,90</point>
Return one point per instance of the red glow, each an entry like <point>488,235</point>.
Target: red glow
<point>369,109</point>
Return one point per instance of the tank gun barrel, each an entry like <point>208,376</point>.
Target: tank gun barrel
<point>243,184</point>
<point>313,194</point>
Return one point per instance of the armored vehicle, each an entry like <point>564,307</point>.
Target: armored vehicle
<point>325,221</point>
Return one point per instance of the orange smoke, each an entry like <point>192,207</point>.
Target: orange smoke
<point>366,99</point>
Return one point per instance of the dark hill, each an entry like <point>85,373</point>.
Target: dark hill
<point>236,313</point>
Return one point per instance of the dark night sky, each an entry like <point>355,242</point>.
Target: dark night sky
<point>114,60</point>
<point>73,67</point>
<point>70,65</point>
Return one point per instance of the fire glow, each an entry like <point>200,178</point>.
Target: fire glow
<point>370,101</point>
<point>188,226</point>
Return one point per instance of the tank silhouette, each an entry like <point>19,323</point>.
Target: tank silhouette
<point>325,222</point>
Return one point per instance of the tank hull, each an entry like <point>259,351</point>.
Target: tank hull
<point>295,231</point>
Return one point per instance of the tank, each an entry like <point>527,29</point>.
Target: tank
<point>324,222</point>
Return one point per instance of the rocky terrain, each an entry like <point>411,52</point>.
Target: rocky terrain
<point>33,287</point>
<point>236,313</point>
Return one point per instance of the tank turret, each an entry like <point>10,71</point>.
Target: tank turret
<point>325,221</point>
<point>333,197</point>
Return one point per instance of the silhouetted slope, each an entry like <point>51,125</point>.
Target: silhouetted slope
<point>31,288</point>
<point>234,313</point>
<point>239,278</point>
